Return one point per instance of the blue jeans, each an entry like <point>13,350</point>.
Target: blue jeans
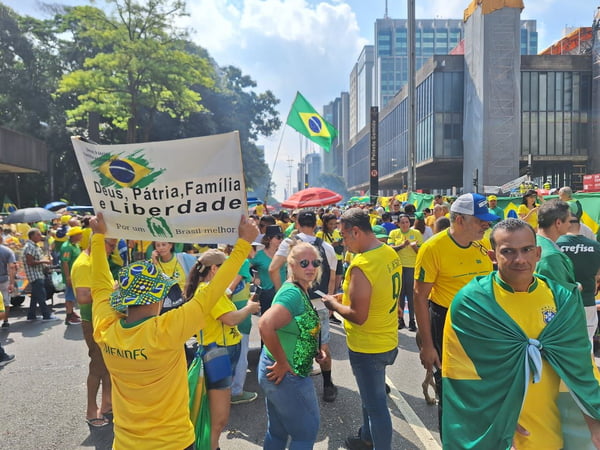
<point>369,371</point>
<point>38,297</point>
<point>292,409</point>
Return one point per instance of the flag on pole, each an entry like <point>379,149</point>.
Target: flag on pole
<point>307,121</point>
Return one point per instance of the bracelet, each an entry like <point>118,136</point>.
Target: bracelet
<point>228,292</point>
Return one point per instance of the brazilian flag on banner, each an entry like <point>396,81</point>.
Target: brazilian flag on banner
<point>305,120</point>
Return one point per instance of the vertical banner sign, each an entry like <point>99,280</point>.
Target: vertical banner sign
<point>374,155</point>
<point>188,190</point>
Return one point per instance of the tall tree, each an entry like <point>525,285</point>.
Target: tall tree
<point>141,66</point>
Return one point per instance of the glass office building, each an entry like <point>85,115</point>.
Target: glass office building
<point>556,105</point>
<point>432,37</point>
<point>439,114</point>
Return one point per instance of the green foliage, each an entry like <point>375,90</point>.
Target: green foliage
<point>141,63</point>
<point>121,75</point>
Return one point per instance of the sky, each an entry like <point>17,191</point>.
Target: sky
<point>311,46</point>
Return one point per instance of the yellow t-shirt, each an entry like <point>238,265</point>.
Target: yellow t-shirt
<point>259,210</point>
<point>86,235</point>
<point>215,330</point>
<point>81,272</point>
<point>173,269</point>
<point>146,359</point>
<point>532,219</point>
<point>1,303</point>
<point>335,236</point>
<point>407,255</point>
<point>379,333</point>
<point>532,311</point>
<point>430,221</point>
<point>449,266</point>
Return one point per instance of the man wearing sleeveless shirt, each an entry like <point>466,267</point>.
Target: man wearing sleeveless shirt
<point>369,306</point>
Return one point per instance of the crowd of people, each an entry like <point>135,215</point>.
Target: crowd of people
<point>504,308</point>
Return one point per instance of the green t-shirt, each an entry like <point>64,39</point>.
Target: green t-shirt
<point>261,262</point>
<point>299,337</point>
<point>585,255</point>
<point>68,253</point>
<point>554,264</point>
<point>241,295</point>
<point>497,211</point>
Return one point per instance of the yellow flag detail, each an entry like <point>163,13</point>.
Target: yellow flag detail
<point>124,172</point>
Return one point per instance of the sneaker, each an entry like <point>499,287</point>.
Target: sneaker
<point>244,397</point>
<point>51,317</point>
<point>31,319</point>
<point>401,323</point>
<point>412,326</point>
<point>334,320</point>
<point>330,393</point>
<point>5,324</point>
<point>72,319</point>
<point>6,359</point>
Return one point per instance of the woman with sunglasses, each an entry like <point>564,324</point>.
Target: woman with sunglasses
<point>290,332</point>
<point>221,328</point>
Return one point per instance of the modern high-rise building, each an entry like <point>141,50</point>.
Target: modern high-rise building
<point>361,89</point>
<point>483,113</point>
<point>432,37</point>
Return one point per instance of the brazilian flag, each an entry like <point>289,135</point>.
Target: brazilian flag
<point>125,172</point>
<point>8,206</point>
<point>305,120</point>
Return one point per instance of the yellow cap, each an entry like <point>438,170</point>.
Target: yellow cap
<point>65,219</point>
<point>74,230</point>
<point>492,197</point>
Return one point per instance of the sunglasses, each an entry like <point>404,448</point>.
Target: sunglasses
<point>305,262</point>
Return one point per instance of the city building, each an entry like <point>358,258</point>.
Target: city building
<point>481,117</point>
<point>432,37</point>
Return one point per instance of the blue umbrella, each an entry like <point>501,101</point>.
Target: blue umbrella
<point>53,206</point>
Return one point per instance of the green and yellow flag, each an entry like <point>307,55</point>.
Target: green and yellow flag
<point>305,120</point>
<point>8,206</point>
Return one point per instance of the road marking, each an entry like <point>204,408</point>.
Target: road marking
<point>423,434</point>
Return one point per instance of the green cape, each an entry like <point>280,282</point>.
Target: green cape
<point>483,413</point>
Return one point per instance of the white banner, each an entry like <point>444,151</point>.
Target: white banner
<point>188,190</point>
<point>513,184</point>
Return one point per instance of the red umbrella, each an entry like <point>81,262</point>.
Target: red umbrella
<point>311,198</point>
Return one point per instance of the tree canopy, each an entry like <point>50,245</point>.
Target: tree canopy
<point>123,75</point>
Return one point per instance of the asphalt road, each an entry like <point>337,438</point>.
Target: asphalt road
<point>42,393</point>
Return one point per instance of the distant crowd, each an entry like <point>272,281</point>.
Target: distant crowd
<point>504,311</point>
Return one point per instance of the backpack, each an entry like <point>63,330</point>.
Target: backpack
<point>323,283</point>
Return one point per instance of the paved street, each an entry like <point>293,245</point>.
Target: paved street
<point>42,394</point>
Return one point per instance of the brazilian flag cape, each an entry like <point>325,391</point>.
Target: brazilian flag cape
<point>483,398</point>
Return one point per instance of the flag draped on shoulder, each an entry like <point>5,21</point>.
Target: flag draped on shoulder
<point>307,121</point>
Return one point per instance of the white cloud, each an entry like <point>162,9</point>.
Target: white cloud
<point>285,45</point>
<point>213,24</point>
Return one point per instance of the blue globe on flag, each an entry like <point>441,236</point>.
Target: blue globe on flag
<point>121,171</point>
<point>315,124</point>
